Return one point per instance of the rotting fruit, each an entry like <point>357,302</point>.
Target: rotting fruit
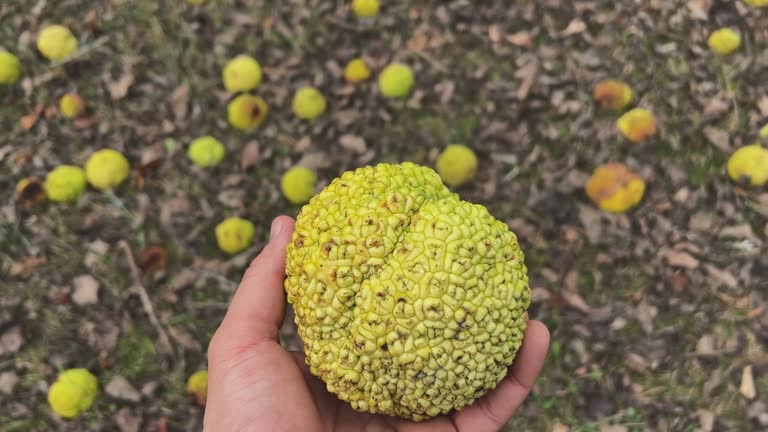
<point>409,301</point>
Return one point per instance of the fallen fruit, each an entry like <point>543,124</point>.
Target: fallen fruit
<point>724,41</point>
<point>612,95</point>
<point>106,169</point>
<point>356,71</point>
<point>365,8</point>
<point>308,103</point>
<point>65,183</point>
<point>73,392</point>
<point>30,191</point>
<point>56,42</point>
<point>242,73</point>
<point>247,112</point>
<point>396,81</point>
<point>10,68</point>
<point>234,235</point>
<point>457,165</point>
<point>749,164</point>
<point>409,301</point>
<point>197,387</point>
<point>298,184</point>
<point>615,188</point>
<point>206,152</point>
<point>637,125</point>
<point>71,105</point>
<point>757,3</point>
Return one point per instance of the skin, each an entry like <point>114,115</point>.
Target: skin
<point>254,384</point>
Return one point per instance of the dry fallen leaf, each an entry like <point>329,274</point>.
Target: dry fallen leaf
<point>521,39</point>
<point>250,156</point>
<point>26,265</point>
<point>353,143</point>
<point>11,340</point>
<point>527,74</point>
<point>152,259</point>
<point>574,27</point>
<point>180,102</point>
<point>747,387</point>
<point>680,259</point>
<point>118,89</point>
<point>29,121</point>
<point>86,290</point>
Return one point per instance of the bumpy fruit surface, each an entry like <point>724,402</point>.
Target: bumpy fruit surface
<point>724,41</point>
<point>10,68</point>
<point>365,8</point>
<point>65,183</point>
<point>457,164</point>
<point>206,152</point>
<point>71,105</point>
<point>106,169</point>
<point>247,112</point>
<point>409,300</point>
<point>242,73</point>
<point>234,235</point>
<point>56,42</point>
<point>396,81</point>
<point>749,163</point>
<point>298,184</point>
<point>73,392</point>
<point>308,103</point>
<point>356,71</point>
<point>197,386</point>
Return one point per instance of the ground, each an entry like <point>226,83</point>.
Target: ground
<point>657,316</point>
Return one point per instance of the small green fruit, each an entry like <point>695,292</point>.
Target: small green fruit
<point>242,73</point>
<point>457,165</point>
<point>298,184</point>
<point>71,105</point>
<point>106,169</point>
<point>10,68</point>
<point>73,392</point>
<point>65,183</point>
<point>206,152</point>
<point>396,81</point>
<point>365,8</point>
<point>234,235</point>
<point>308,103</point>
<point>247,112</point>
<point>56,42</point>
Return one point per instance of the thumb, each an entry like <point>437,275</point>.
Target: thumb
<point>258,306</point>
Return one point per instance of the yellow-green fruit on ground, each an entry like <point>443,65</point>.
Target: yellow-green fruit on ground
<point>757,3</point>
<point>106,169</point>
<point>242,73</point>
<point>73,392</point>
<point>365,8</point>
<point>356,71</point>
<point>308,103</point>
<point>409,301</point>
<point>234,235</point>
<point>71,105</point>
<point>197,386</point>
<point>10,68</point>
<point>247,112</point>
<point>206,152</point>
<point>298,184</point>
<point>724,41</point>
<point>457,164</point>
<point>749,163</point>
<point>56,42</point>
<point>396,81</point>
<point>65,183</point>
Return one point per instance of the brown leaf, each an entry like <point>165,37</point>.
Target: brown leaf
<point>352,143</point>
<point>11,340</point>
<point>29,121</point>
<point>747,387</point>
<point>162,425</point>
<point>85,122</point>
<point>51,112</point>
<point>762,104</point>
<point>180,102</point>
<point>119,89</point>
<point>574,27</point>
<point>680,259</point>
<point>521,39</point>
<point>26,265</point>
<point>152,259</point>
<point>86,290</point>
<point>706,420</point>
<point>250,156</point>
<point>718,137</point>
<point>527,74</point>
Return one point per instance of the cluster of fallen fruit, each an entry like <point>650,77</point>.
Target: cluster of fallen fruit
<point>409,300</point>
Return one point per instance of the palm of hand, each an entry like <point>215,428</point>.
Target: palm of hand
<point>254,384</point>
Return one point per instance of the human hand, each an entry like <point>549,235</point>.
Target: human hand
<point>254,384</point>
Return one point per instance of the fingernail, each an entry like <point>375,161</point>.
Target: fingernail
<point>277,228</point>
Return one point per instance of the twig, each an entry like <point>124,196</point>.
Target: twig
<point>85,49</point>
<point>164,342</point>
